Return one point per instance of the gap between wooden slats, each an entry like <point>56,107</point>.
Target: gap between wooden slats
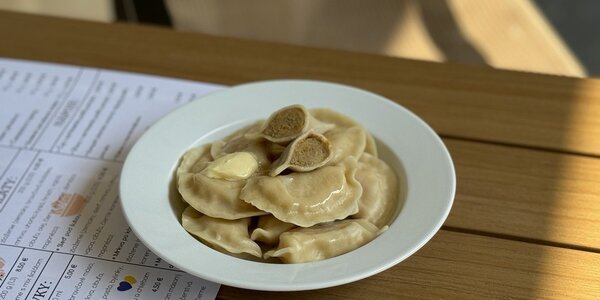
<point>526,194</point>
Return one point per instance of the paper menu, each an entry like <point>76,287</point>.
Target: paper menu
<point>64,134</point>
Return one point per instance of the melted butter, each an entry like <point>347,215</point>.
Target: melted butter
<point>233,166</point>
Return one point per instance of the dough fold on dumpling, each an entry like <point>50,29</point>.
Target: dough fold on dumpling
<point>323,241</point>
<point>379,199</point>
<point>340,120</point>
<point>305,199</point>
<point>269,229</point>
<point>217,198</point>
<point>345,142</point>
<point>253,128</point>
<point>230,235</point>
<point>195,160</point>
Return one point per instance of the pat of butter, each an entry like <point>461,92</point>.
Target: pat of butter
<point>233,166</point>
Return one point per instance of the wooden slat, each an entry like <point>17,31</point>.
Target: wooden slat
<point>457,100</point>
<point>463,266</point>
<point>531,194</point>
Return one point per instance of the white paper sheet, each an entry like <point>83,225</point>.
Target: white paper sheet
<point>64,134</point>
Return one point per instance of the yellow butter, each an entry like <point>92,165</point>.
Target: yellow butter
<point>233,166</point>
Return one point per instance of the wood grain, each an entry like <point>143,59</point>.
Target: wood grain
<point>525,193</point>
<point>463,266</point>
<point>466,101</point>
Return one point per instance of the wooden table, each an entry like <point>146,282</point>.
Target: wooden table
<point>526,218</point>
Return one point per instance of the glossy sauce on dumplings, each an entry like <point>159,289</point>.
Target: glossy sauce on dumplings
<point>302,185</point>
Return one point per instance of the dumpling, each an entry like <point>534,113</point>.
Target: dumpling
<point>379,199</point>
<point>346,141</point>
<point>288,123</point>
<point>195,160</point>
<point>330,116</point>
<point>269,229</point>
<point>275,150</point>
<point>305,199</point>
<point>217,198</point>
<point>323,241</point>
<point>253,128</point>
<point>229,235</point>
<point>306,153</point>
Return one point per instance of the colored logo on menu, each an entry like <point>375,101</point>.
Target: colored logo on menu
<point>68,205</point>
<point>2,273</point>
<point>127,283</point>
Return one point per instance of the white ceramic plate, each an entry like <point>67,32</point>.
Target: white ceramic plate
<point>412,148</point>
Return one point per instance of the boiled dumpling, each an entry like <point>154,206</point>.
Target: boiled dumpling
<point>275,150</point>
<point>288,123</point>
<point>269,229</point>
<point>345,142</point>
<point>323,241</point>
<point>340,120</point>
<point>229,235</point>
<point>379,199</point>
<point>217,198</point>
<point>306,153</point>
<point>250,129</point>
<point>305,199</point>
<point>195,160</point>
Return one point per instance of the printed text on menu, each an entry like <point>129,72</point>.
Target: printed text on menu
<point>64,134</point>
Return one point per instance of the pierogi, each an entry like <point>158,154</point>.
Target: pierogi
<point>305,199</point>
<point>323,241</point>
<point>301,186</point>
